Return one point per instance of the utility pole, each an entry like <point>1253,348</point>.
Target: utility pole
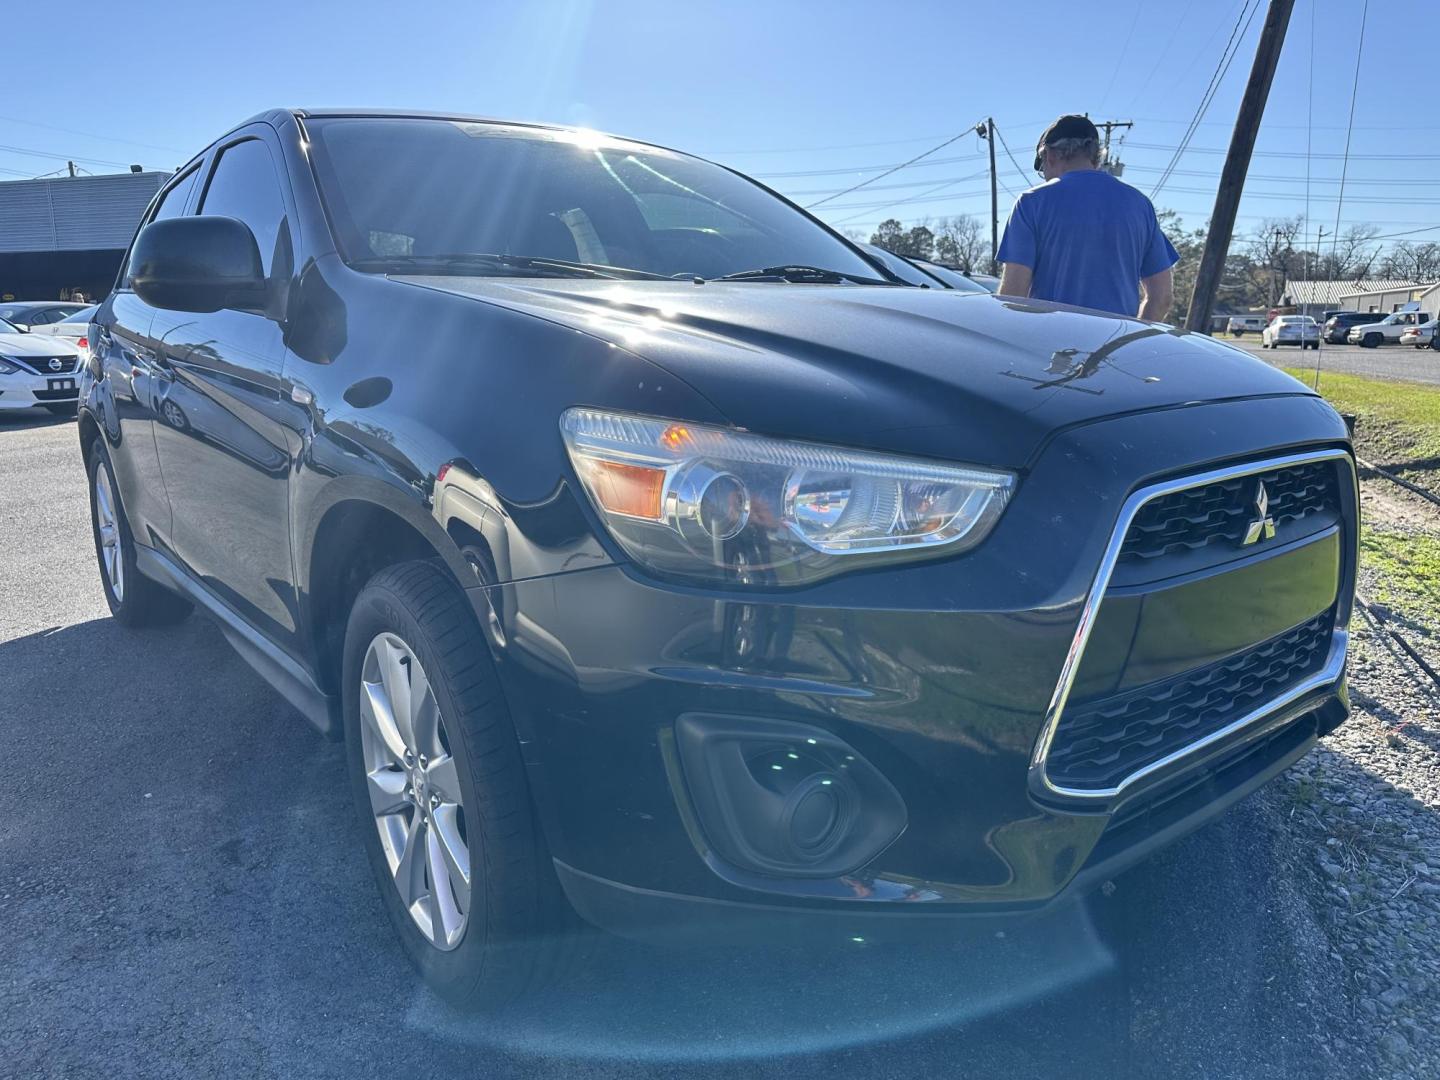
<point>1114,168</point>
<point>986,130</point>
<point>1237,163</point>
<point>72,167</point>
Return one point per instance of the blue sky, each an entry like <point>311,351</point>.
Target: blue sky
<point>835,90</point>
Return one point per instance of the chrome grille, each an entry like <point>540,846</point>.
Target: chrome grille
<point>1220,512</point>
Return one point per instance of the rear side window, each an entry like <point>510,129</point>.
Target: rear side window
<point>244,186</point>
<point>172,203</point>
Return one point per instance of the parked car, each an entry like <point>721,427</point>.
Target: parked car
<point>36,370</point>
<point>954,279</point>
<point>661,558</point>
<point>1421,335</point>
<point>1246,324</point>
<point>73,327</point>
<point>1299,330</point>
<point>1387,329</point>
<point>1338,325</point>
<point>35,313</point>
<point>921,271</point>
<point>988,282</point>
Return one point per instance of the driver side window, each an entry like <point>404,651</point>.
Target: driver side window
<point>243,186</point>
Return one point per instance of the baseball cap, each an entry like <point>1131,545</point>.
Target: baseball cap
<point>1069,126</point>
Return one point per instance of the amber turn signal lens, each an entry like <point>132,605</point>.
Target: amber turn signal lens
<point>632,490</point>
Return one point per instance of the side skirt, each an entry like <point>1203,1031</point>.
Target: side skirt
<point>273,663</point>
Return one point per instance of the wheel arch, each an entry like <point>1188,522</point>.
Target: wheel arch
<point>353,533</point>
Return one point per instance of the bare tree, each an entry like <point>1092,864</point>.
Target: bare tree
<point>1413,262</point>
<point>962,241</point>
<point>1272,251</point>
<point>1346,257</point>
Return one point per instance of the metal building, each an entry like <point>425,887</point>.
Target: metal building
<point>67,234</point>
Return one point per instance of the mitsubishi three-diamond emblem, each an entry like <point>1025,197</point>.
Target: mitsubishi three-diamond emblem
<point>1263,527</point>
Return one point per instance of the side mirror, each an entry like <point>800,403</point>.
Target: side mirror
<point>198,264</point>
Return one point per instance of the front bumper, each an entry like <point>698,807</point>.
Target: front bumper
<point>22,390</point>
<point>941,675</point>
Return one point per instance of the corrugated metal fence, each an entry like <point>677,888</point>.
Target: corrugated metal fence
<point>74,213</point>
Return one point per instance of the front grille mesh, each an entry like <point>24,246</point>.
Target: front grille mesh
<point>41,364</point>
<point>1099,743</point>
<point>1190,519</point>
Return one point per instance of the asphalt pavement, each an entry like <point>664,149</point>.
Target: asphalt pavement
<point>183,893</point>
<point>1404,362</point>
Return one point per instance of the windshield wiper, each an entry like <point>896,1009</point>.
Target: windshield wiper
<point>487,260</point>
<point>800,273</point>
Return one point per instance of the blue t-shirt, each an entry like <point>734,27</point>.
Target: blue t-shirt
<point>1089,239</point>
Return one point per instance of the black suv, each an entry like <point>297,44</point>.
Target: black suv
<point>1338,324</point>
<point>662,557</point>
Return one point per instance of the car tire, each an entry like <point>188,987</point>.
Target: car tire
<point>134,600</point>
<point>1370,341</point>
<point>516,930</point>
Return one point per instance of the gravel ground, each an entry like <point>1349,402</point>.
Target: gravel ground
<point>182,893</point>
<point>1368,806</point>
<point>1386,362</point>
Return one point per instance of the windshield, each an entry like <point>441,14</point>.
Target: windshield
<point>399,190</point>
<point>82,316</point>
<point>954,278</point>
<point>901,268</point>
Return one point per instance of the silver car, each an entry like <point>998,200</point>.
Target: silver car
<point>37,370</point>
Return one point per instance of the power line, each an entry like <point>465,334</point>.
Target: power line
<point>26,152</point>
<point>1124,49</point>
<point>1345,164</point>
<point>1006,147</point>
<point>897,168</point>
<point>901,185</point>
<point>89,134</point>
<point>1227,56</point>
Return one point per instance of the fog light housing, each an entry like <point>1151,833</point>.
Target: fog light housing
<point>785,799</point>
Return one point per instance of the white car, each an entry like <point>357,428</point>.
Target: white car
<point>37,369</point>
<point>1299,330</point>
<point>1422,335</point>
<point>75,328</point>
<point>34,313</point>
<point>1241,324</point>
<point>1389,328</point>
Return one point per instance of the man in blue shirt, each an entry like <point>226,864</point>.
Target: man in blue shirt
<point>1084,237</point>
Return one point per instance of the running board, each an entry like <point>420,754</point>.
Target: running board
<point>274,665</point>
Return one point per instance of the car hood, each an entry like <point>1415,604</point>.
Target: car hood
<point>968,376</point>
<point>35,345</point>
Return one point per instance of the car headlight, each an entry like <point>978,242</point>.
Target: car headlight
<point>6,367</point>
<point>729,506</point>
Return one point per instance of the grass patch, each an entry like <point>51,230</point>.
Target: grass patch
<point>1407,569</point>
<point>1399,420</point>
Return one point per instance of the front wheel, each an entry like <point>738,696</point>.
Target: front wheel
<point>440,786</point>
<point>1370,341</point>
<point>133,599</point>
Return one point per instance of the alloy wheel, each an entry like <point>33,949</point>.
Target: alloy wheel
<point>107,524</point>
<point>414,790</point>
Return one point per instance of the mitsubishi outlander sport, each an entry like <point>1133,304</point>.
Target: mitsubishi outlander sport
<point>661,557</point>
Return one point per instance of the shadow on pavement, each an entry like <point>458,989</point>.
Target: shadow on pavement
<point>185,893</point>
<point>26,419</point>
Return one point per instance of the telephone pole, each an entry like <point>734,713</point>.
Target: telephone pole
<point>1237,163</point>
<point>986,130</point>
<point>1114,168</point>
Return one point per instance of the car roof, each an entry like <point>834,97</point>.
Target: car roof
<point>275,117</point>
